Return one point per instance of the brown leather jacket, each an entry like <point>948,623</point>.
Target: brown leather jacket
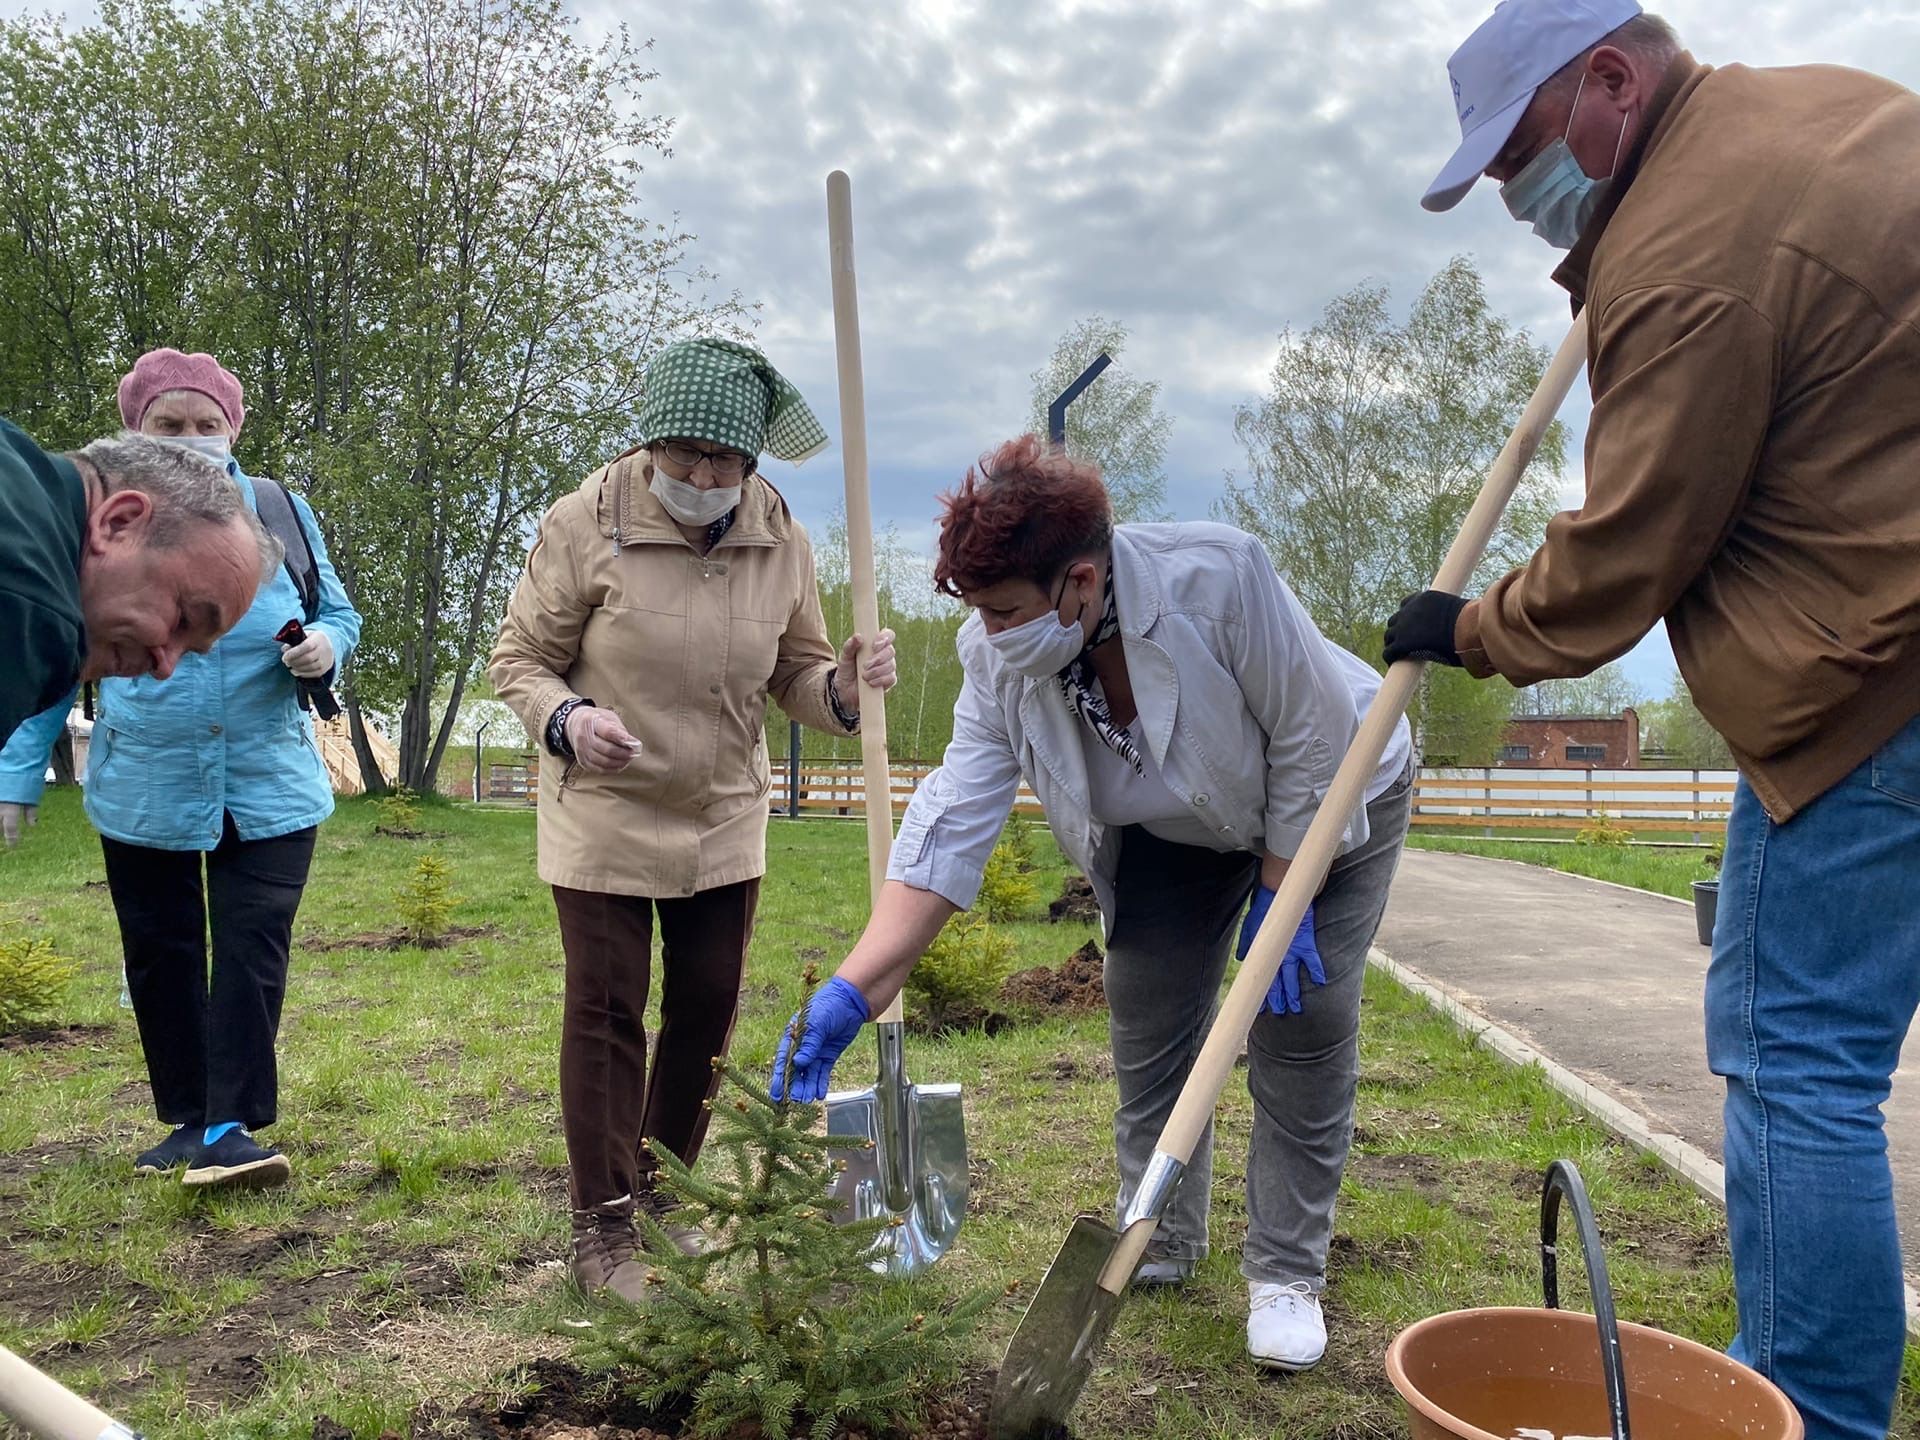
<point>1753,461</point>
<point>685,649</point>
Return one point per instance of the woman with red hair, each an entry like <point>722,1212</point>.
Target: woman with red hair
<point>1180,718</point>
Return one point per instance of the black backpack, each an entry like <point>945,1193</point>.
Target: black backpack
<point>276,510</point>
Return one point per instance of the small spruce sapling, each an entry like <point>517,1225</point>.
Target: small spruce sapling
<point>426,903</point>
<point>33,979</point>
<point>782,1325</point>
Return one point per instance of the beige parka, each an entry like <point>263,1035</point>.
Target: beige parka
<point>617,607</point>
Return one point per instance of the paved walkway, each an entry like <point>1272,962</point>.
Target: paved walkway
<point>1605,981</point>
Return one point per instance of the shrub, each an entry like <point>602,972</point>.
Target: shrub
<point>33,980</point>
<point>426,903</point>
<point>1604,832</point>
<point>1007,889</point>
<point>399,811</point>
<point>956,983</point>
<point>782,1329</point>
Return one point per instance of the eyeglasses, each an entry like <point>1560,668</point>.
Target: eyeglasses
<point>727,464</point>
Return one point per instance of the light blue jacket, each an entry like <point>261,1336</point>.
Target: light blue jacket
<point>224,734</point>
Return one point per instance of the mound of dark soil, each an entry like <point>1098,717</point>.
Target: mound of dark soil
<point>395,939</point>
<point>1074,988</point>
<point>1076,902</point>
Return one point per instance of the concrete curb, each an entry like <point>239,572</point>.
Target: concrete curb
<point>1689,1161</point>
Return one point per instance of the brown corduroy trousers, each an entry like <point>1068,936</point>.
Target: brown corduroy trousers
<point>609,1101</point>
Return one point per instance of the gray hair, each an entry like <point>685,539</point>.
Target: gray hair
<point>188,491</point>
<point>1646,37</point>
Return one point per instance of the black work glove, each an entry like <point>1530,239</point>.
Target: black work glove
<point>1422,628</point>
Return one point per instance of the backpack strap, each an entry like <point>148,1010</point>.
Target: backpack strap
<point>276,510</point>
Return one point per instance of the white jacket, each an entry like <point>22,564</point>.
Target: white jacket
<point>1246,705</point>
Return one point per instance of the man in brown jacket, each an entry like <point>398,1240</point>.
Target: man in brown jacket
<point>1744,243</point>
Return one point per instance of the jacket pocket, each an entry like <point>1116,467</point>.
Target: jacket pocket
<point>1764,672</point>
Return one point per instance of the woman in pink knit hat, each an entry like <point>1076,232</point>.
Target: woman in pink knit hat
<point>207,789</point>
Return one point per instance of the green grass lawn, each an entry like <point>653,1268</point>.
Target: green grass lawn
<point>1665,872</point>
<point>418,1255</point>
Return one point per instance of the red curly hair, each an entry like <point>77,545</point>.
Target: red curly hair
<point>1025,512</point>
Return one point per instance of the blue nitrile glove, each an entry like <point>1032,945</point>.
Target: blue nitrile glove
<point>1283,997</point>
<point>834,1016</point>
<point>1256,917</point>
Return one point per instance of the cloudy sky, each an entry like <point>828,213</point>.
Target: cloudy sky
<point>1207,172</point>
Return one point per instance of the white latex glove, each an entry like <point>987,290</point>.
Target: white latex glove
<point>13,818</point>
<point>311,658</point>
<point>600,742</point>
<point>879,671</point>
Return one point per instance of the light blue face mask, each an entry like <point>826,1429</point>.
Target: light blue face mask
<point>1556,196</point>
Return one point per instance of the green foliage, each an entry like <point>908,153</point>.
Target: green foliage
<point>957,982</point>
<point>426,902</point>
<point>1371,445</point>
<point>399,811</point>
<point>1607,691</point>
<point>33,980</point>
<point>783,1326</point>
<point>1603,832</point>
<point>1007,891</point>
<point>416,233</point>
<point>1674,731</point>
<point>1116,422</point>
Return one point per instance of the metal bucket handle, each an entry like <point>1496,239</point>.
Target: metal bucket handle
<point>1563,1178</point>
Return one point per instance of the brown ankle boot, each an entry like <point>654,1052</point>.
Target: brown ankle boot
<point>688,1239</point>
<point>604,1243</point>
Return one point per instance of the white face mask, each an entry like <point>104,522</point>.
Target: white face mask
<point>1042,646</point>
<point>216,448</point>
<point>691,505</point>
<point>1554,194</point>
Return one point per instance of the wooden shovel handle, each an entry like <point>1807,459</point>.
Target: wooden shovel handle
<point>866,589</point>
<point>43,1407</point>
<point>1348,791</point>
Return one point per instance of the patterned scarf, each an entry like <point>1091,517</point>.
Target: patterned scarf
<point>1076,683</point>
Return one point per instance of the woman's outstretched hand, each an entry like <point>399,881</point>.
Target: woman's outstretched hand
<point>833,1017</point>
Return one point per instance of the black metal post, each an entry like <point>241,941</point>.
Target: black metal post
<point>793,769</point>
<point>1057,412</point>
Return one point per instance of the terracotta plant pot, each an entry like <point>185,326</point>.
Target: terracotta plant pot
<point>1500,1373</point>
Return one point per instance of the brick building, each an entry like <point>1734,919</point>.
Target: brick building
<point>1571,742</point>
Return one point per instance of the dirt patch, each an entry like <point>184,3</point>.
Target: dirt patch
<point>1426,1174</point>
<point>396,939</point>
<point>395,832</point>
<point>1401,1253</point>
<point>1064,1069</point>
<point>55,1037</point>
<point>1076,902</point>
<point>1672,1247</point>
<point>556,1400</point>
<point>1074,988</point>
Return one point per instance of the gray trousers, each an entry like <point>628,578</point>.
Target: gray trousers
<point>1176,925</point>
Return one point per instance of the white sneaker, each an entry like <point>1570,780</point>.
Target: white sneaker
<point>1285,1329</point>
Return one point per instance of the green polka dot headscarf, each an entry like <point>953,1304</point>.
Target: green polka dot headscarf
<point>726,393</point>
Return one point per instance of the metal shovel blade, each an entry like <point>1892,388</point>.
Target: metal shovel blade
<point>1065,1327</point>
<point>914,1170</point>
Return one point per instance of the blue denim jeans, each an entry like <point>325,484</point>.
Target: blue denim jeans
<point>1814,980</point>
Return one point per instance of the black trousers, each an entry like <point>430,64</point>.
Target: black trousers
<point>210,1043</point>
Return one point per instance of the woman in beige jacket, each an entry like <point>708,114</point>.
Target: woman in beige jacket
<point>663,601</point>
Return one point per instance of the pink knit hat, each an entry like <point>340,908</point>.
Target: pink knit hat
<point>158,371</point>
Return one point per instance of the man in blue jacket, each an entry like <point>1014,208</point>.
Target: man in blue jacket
<point>215,768</point>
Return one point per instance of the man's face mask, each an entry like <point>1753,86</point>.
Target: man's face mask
<point>1553,194</point>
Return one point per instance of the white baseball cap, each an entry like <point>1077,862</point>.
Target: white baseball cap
<point>1500,67</point>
